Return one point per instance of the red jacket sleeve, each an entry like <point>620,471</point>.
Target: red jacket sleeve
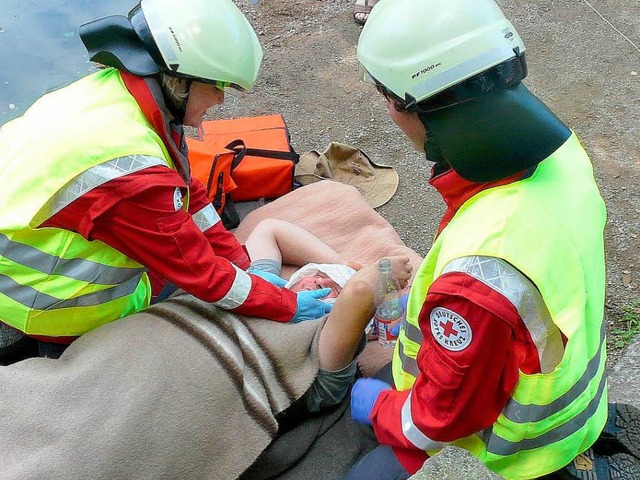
<point>458,393</point>
<point>223,242</point>
<point>138,215</point>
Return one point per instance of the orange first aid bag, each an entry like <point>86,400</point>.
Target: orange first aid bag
<point>263,160</point>
<point>214,170</point>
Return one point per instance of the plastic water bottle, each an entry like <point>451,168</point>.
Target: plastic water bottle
<point>388,307</point>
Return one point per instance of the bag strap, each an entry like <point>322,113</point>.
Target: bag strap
<point>239,151</point>
<point>260,152</point>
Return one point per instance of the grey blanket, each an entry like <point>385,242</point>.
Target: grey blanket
<point>183,390</point>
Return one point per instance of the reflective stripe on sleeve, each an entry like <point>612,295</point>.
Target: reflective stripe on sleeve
<point>238,292</point>
<point>206,218</point>
<point>96,176</point>
<point>507,280</point>
<point>413,433</point>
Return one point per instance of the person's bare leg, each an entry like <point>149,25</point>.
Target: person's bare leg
<point>288,244</point>
<point>351,313</point>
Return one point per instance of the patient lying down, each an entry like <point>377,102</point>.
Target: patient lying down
<point>342,338</point>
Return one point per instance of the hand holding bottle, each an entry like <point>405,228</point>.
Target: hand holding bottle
<point>388,306</point>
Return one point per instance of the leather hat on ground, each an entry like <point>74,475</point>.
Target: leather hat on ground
<point>345,164</point>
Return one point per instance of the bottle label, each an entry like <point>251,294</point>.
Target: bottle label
<point>385,326</point>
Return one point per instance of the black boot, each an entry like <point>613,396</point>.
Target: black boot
<point>621,433</point>
<point>591,466</point>
<point>616,453</point>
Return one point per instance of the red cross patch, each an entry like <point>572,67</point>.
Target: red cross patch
<point>449,329</point>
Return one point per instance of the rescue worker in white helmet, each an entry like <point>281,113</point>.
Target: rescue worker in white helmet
<point>503,348</point>
<point>98,195</point>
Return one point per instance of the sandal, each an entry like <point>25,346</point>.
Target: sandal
<point>362,9</point>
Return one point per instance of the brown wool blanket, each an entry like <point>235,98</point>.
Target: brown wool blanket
<point>183,390</point>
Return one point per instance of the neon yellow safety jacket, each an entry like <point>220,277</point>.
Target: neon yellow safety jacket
<point>54,282</point>
<point>550,227</point>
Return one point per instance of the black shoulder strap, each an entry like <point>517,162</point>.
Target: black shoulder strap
<point>239,147</point>
<point>240,150</point>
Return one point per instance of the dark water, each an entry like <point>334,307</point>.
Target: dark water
<point>40,49</point>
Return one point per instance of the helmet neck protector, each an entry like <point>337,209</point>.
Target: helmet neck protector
<point>208,41</point>
<point>113,41</point>
<point>494,135</point>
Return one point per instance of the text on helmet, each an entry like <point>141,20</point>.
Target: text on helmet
<point>426,69</point>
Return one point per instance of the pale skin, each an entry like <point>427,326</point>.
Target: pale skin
<point>351,313</point>
<point>288,244</point>
<point>271,237</point>
<point>355,306</point>
<point>409,123</point>
<point>316,282</point>
<point>202,96</point>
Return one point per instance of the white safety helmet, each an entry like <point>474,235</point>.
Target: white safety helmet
<point>418,48</point>
<point>208,41</point>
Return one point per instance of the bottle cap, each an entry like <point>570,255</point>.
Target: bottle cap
<point>384,265</point>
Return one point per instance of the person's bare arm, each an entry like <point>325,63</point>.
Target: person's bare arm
<point>351,313</point>
<point>287,243</point>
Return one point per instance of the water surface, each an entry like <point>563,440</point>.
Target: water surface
<point>40,49</point>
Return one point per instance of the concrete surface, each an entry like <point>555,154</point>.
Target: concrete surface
<point>454,463</point>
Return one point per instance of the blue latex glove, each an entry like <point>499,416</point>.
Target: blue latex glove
<point>404,299</point>
<point>309,305</point>
<point>396,329</point>
<point>363,396</point>
<point>269,277</point>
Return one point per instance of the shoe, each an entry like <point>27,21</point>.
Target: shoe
<point>362,9</point>
<point>621,433</point>
<point>10,339</point>
<point>591,466</point>
<point>616,453</point>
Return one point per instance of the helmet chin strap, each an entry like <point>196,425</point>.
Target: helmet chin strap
<point>493,136</point>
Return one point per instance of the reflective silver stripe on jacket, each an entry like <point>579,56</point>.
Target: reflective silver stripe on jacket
<point>32,298</point>
<point>409,364</point>
<point>96,176</point>
<point>519,413</point>
<point>413,433</point>
<point>500,446</point>
<point>238,292</point>
<point>505,279</point>
<point>76,268</point>
<point>206,218</point>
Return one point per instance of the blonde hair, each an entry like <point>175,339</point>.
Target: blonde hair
<point>175,89</point>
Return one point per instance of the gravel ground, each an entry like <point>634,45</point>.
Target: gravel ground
<point>578,64</point>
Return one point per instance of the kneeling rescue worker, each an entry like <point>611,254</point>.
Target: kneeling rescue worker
<point>503,348</point>
<point>98,194</point>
